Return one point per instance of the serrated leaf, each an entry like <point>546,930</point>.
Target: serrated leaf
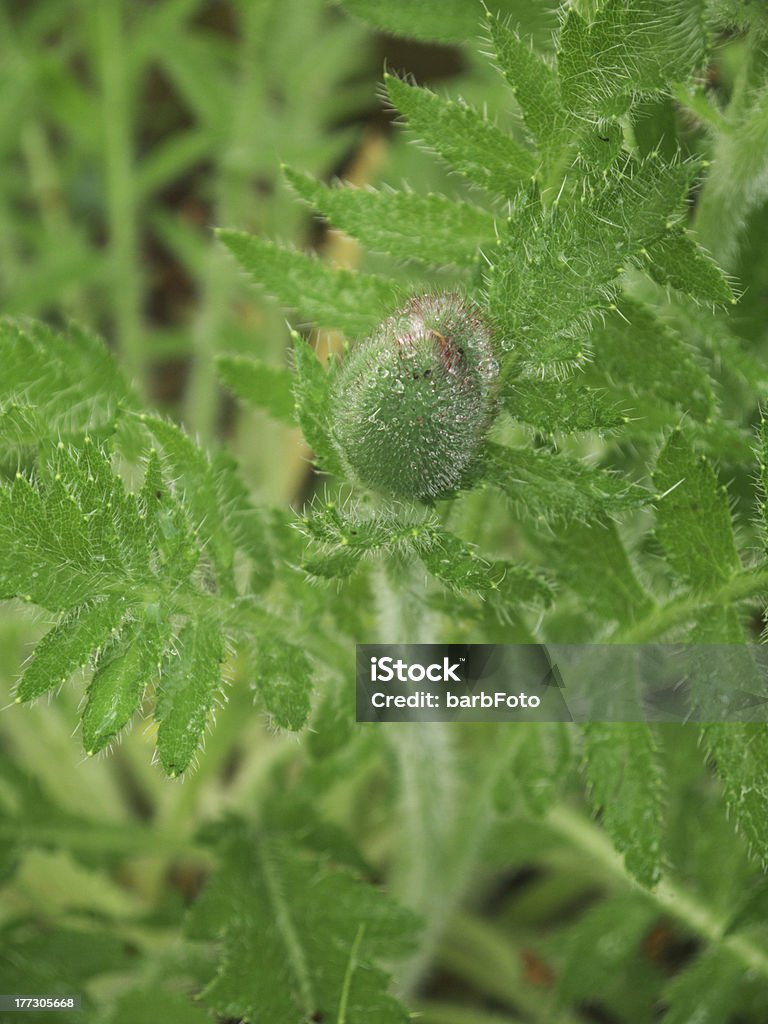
<point>693,519</point>
<point>190,682</point>
<point>534,83</point>
<point>626,787</point>
<point>72,534</point>
<point>312,396</point>
<point>344,540</point>
<point>342,299</point>
<point>124,669</point>
<point>557,267</point>
<point>677,260</point>
<point>545,486</point>
<point>432,229</point>
<point>646,356</point>
<point>561,406</point>
<point>69,645</point>
<point>267,387</point>
<point>313,931</point>
<point>55,385</point>
<point>594,563</point>
<point>194,477</point>
<point>282,676</point>
<point>631,47</point>
<point>469,143</point>
<point>739,749</point>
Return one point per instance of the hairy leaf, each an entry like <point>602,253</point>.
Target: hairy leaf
<point>543,486</point>
<point>466,140</point>
<point>345,539</point>
<point>626,786</point>
<point>299,938</point>
<point>190,682</point>
<point>341,299</point>
<point>534,83</point>
<point>693,522</point>
<point>561,406</point>
<point>557,267</point>
<point>677,260</point>
<point>55,385</point>
<point>632,47</point>
<point>258,383</point>
<point>433,229</point>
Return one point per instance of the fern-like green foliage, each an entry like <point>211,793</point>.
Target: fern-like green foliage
<point>612,494</point>
<point>309,929</point>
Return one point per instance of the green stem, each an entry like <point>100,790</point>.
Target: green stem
<point>113,50</point>
<point>746,584</point>
<point>128,840</point>
<point>668,896</point>
<point>233,197</point>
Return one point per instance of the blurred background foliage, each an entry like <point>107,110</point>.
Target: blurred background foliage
<point>128,132</point>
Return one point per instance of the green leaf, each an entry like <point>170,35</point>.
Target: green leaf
<point>312,395</point>
<point>646,357</point>
<point>534,83</point>
<point>190,682</point>
<point>124,669</point>
<point>194,476</point>
<point>340,299</point>
<point>566,406</point>
<point>693,520</point>
<point>69,645</point>
<point>283,679</point>
<point>73,534</point>
<point>346,538</point>
<point>467,141</point>
<point>315,932</point>
<point>432,229</point>
<point>626,787</point>
<point>558,267</point>
<point>677,260</point>
<point>115,563</point>
<point>55,385</point>
<point>631,48</point>
<point>545,486</point>
<point>258,383</point>
<point>594,563</point>
<point>739,749</point>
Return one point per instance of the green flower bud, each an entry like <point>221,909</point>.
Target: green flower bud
<point>413,402</point>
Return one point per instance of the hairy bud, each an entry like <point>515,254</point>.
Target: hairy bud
<point>413,402</point>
